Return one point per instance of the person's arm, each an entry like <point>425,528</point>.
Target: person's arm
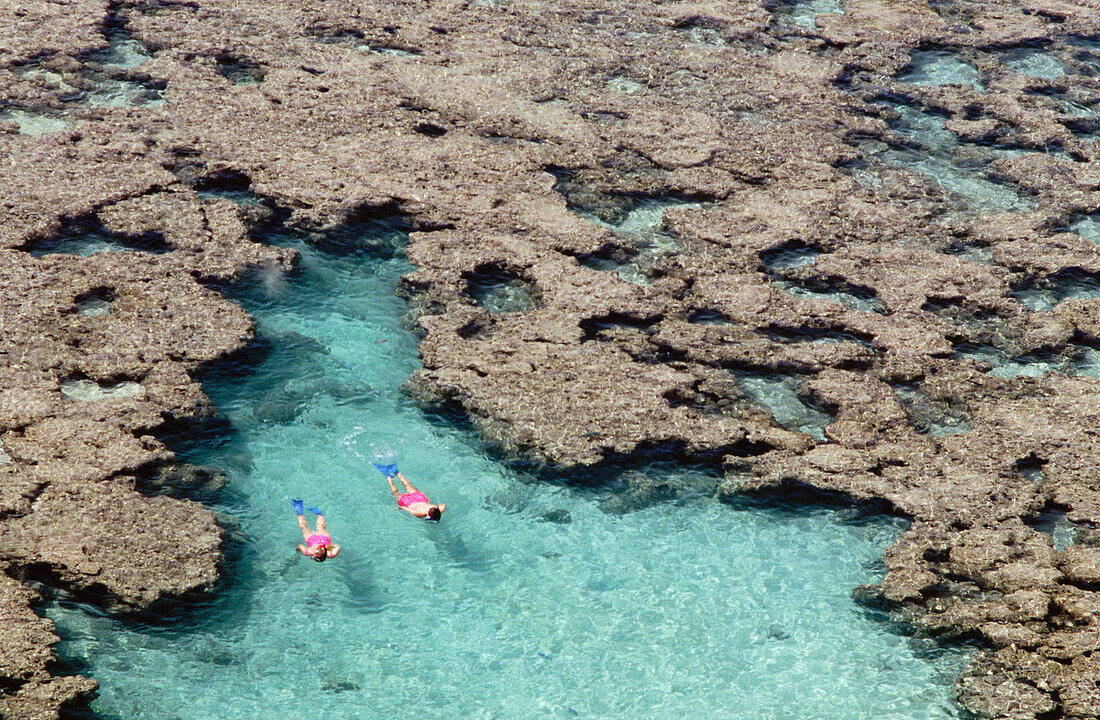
<point>333,550</point>
<point>302,549</point>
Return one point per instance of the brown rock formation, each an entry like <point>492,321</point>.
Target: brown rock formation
<point>805,243</point>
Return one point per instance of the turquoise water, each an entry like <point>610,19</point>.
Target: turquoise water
<point>110,83</point>
<point>803,13</point>
<point>940,67</point>
<point>527,601</point>
<point>962,169</point>
<point>1035,63</point>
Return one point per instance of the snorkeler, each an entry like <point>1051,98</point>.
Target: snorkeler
<point>319,545</point>
<point>412,499</point>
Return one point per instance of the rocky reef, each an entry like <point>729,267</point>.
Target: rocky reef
<point>849,248</point>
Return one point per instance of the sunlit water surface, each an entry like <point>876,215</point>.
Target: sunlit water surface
<point>527,601</point>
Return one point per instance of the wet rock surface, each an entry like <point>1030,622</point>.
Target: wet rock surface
<point>870,274</point>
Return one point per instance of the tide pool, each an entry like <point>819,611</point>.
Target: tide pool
<point>527,601</point>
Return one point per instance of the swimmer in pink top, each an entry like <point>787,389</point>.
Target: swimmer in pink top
<point>412,499</point>
<point>319,545</point>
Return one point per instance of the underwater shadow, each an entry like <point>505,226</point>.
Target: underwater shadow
<point>449,541</point>
<point>364,594</point>
<point>790,499</point>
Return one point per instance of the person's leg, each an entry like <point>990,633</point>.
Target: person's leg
<point>405,481</point>
<point>393,487</point>
<point>305,527</point>
<point>321,525</point>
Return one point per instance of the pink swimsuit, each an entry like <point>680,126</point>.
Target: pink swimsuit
<point>411,498</point>
<point>318,540</point>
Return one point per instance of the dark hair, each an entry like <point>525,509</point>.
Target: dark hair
<point>434,513</point>
<point>322,555</point>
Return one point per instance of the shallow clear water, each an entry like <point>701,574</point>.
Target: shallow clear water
<point>34,123</point>
<point>1087,227</point>
<point>115,89</point>
<point>940,67</point>
<point>1010,368</point>
<point>87,243</point>
<point>1035,63</point>
<point>785,258</point>
<point>123,50</point>
<point>847,299</point>
<point>122,93</point>
<point>803,13</point>
<point>527,601</point>
<point>1057,288</point>
<point>111,85</point>
<point>1088,53</point>
<point>643,229</point>
<point>961,169</point>
<point>780,396</point>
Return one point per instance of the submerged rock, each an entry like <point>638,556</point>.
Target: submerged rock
<point>26,657</point>
<point>558,516</point>
<point>639,490</point>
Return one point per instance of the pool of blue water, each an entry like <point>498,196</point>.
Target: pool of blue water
<point>527,601</point>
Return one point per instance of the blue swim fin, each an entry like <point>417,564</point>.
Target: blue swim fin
<point>387,470</point>
<point>297,505</point>
<point>315,511</point>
